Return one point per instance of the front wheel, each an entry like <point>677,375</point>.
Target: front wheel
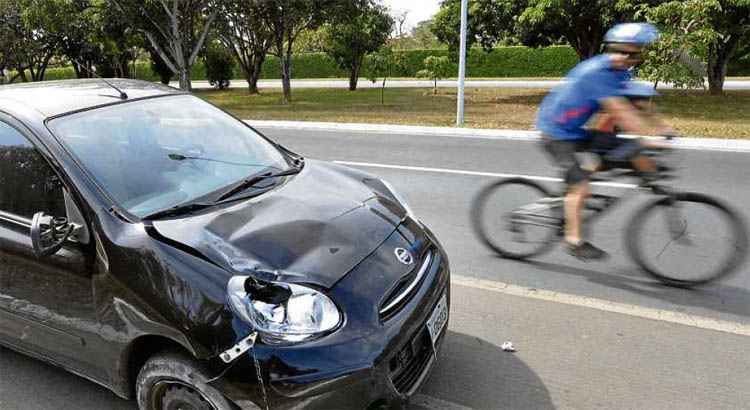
<point>173,381</point>
<point>687,240</point>
<point>517,218</point>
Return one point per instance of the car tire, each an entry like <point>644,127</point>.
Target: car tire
<point>172,380</point>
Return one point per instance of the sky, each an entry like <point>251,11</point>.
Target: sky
<point>418,9</point>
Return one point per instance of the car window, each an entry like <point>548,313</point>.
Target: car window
<point>152,154</point>
<point>27,182</point>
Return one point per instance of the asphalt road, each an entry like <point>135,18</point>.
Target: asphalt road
<point>728,85</point>
<point>443,201</point>
<point>573,350</point>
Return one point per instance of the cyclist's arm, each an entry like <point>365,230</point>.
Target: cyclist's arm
<point>629,118</point>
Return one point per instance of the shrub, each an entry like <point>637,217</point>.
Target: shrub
<point>219,66</point>
<point>501,62</point>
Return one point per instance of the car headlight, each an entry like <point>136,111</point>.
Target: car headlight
<point>280,312</point>
<point>400,199</point>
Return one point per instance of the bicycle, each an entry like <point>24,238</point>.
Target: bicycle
<point>536,225</point>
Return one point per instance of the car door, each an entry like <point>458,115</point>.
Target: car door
<point>46,303</point>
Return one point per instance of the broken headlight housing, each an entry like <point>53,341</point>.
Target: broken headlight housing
<point>282,313</point>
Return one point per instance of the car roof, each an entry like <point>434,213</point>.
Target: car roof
<point>53,98</point>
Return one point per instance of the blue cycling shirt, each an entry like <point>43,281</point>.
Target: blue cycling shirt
<point>569,106</point>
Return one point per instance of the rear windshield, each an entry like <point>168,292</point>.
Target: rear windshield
<point>150,155</point>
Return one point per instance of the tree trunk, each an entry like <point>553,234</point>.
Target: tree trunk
<point>185,83</point>
<point>286,77</point>
<point>354,77</point>
<point>718,56</point>
<point>254,75</point>
<point>382,92</point>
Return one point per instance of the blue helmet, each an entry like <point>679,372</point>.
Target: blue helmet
<point>637,89</point>
<point>641,34</point>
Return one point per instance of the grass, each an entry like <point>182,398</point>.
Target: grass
<point>692,113</point>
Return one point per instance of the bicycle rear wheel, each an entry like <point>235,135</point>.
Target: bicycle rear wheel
<point>687,241</point>
<point>517,218</point>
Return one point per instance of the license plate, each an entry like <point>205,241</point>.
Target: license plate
<point>438,319</point>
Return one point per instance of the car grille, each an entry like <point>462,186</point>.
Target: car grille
<point>409,365</point>
<point>405,288</point>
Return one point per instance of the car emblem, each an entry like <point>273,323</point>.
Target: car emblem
<point>404,256</point>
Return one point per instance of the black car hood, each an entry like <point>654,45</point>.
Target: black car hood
<point>314,228</point>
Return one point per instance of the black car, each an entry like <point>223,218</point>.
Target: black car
<point>160,247</point>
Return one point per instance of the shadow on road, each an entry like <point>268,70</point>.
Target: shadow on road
<point>475,373</point>
<point>27,383</point>
<point>717,297</point>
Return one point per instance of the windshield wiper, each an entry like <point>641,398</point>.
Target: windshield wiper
<point>252,181</point>
<point>180,157</point>
<point>178,210</point>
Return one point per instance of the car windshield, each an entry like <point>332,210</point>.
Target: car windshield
<point>150,155</point>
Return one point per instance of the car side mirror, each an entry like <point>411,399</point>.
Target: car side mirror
<point>48,234</point>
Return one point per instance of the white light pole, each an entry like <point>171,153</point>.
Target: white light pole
<point>462,63</point>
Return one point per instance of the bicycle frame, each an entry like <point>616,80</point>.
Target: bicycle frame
<point>527,214</point>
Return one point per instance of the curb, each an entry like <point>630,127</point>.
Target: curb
<point>708,144</point>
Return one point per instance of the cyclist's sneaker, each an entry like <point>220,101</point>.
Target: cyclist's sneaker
<point>585,251</point>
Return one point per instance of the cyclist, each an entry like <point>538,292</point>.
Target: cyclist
<point>596,85</point>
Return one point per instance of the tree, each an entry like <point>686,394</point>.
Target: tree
<point>384,64</point>
<point>713,30</point>
<point>26,45</point>
<point>436,68</point>
<point>69,24</point>
<point>421,37</point>
<point>490,21</point>
<point>246,35</point>
<point>349,41</point>
<point>582,23</point>
<point>175,29</point>
<point>287,19</point>
<point>535,23</point>
<point>400,18</point>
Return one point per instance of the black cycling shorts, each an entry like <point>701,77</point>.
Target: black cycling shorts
<point>614,151</point>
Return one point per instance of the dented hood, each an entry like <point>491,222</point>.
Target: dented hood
<point>313,228</point>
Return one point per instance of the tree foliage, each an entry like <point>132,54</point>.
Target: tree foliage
<point>436,68</point>
<point>421,37</point>
<point>26,46</point>
<point>490,21</point>
<point>535,23</point>
<point>700,38</point>
<point>351,39</point>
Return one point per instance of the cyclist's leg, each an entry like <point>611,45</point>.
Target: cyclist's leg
<point>628,151</point>
<point>563,153</point>
<point>577,180</point>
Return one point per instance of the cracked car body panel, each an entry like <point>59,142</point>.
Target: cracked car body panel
<point>137,286</point>
<point>313,229</point>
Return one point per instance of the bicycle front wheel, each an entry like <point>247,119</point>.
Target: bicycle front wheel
<point>517,218</point>
<point>688,240</point>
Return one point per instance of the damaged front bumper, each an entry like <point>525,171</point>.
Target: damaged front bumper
<point>355,368</point>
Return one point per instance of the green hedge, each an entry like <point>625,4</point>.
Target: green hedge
<point>501,62</point>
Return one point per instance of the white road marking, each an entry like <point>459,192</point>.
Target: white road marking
<point>433,403</point>
<point>476,173</point>
<point>604,305</point>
